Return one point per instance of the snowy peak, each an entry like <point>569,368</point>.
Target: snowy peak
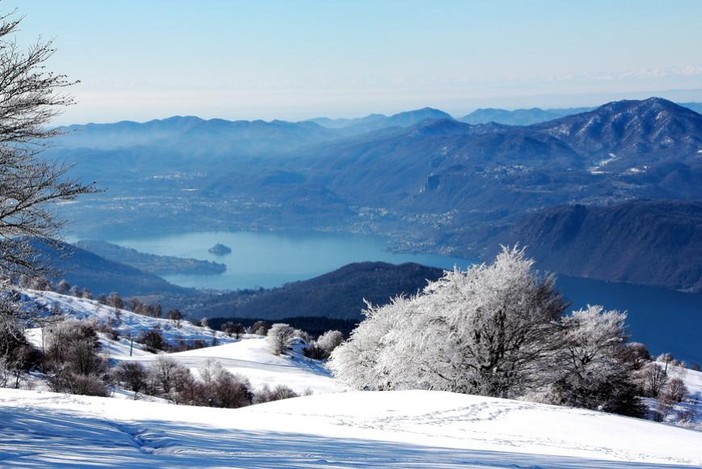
<point>622,128</point>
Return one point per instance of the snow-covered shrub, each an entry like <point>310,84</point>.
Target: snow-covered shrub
<point>17,356</point>
<point>152,339</point>
<point>221,388</point>
<point>266,394</point>
<point>132,375</point>
<point>72,383</point>
<point>636,354</point>
<point>231,328</point>
<point>170,380</point>
<point>330,340</point>
<point>494,330</point>
<point>72,359</point>
<point>650,379</point>
<point>357,361</point>
<point>674,391</point>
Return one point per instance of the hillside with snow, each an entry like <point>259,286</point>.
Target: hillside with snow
<point>330,428</point>
<point>247,356</point>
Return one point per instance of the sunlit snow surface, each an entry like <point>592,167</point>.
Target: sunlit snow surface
<point>393,429</point>
<point>342,429</point>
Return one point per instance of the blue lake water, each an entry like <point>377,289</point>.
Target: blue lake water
<point>667,321</point>
<point>265,259</point>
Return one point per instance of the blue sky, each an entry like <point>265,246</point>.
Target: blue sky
<point>144,59</point>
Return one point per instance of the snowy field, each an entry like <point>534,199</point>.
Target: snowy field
<point>330,429</point>
<point>394,429</point>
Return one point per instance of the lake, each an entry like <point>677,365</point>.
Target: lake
<point>266,259</point>
<point>665,320</point>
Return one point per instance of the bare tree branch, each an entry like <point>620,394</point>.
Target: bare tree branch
<point>30,96</point>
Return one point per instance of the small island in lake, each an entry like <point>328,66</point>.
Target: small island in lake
<point>220,250</point>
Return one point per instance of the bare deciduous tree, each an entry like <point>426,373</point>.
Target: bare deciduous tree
<point>30,96</point>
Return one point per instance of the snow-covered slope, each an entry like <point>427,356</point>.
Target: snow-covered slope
<point>359,429</point>
<point>248,356</point>
<point>328,429</point>
<point>122,321</point>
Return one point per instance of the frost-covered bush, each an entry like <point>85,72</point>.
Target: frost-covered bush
<point>330,340</point>
<point>278,337</point>
<point>323,347</point>
<point>170,380</point>
<point>674,391</point>
<point>152,339</point>
<point>591,363</point>
<point>487,330</point>
<point>17,356</point>
<point>233,329</point>
<point>259,328</point>
<point>220,388</point>
<point>495,330</point>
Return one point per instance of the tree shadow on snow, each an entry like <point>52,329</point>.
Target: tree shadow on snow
<point>32,438</point>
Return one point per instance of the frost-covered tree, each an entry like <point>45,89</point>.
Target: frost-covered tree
<point>115,300</point>
<point>30,96</point>
<point>278,337</point>
<point>324,345</point>
<point>231,328</point>
<point>259,328</point>
<point>591,361</point>
<point>63,287</point>
<point>330,340</point>
<point>356,362</point>
<point>266,394</point>
<point>674,391</point>
<point>170,380</point>
<point>17,355</point>
<point>487,330</point>
<point>650,379</point>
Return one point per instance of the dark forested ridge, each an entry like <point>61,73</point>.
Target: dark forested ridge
<point>155,264</point>
<point>84,269</point>
<point>338,295</point>
<point>645,242</point>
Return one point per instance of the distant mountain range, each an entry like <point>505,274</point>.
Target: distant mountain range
<point>427,181</point>
<point>519,116</point>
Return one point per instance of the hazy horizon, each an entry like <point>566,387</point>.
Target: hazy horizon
<point>300,60</point>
